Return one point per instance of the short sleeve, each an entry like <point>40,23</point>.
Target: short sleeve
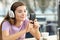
<point>5,26</point>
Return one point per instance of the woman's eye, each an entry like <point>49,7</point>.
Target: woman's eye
<point>19,11</point>
<point>25,11</point>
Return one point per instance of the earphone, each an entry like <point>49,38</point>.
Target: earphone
<point>11,14</point>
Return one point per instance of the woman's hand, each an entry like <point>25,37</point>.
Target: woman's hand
<point>35,30</point>
<point>36,24</point>
<point>29,26</point>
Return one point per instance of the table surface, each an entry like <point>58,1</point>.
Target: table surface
<point>52,37</point>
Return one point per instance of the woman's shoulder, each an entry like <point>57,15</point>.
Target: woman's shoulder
<point>5,23</point>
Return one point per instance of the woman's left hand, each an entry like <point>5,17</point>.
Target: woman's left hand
<point>36,24</point>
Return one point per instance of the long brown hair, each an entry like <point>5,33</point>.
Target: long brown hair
<point>13,8</point>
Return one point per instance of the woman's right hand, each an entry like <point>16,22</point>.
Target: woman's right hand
<point>29,26</point>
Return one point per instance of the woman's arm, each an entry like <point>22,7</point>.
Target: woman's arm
<point>5,32</point>
<point>35,33</point>
<point>35,30</point>
<point>6,36</point>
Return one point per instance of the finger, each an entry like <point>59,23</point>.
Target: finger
<point>30,26</point>
<point>36,23</point>
<point>35,20</point>
<point>30,21</point>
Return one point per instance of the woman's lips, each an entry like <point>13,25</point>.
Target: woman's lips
<point>21,17</point>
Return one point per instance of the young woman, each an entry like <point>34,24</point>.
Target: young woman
<point>15,28</point>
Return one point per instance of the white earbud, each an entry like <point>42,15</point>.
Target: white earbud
<point>11,14</point>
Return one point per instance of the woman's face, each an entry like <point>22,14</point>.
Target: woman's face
<point>20,13</point>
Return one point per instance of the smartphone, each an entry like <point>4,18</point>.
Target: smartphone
<point>32,17</point>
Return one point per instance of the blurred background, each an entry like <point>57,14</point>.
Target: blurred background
<point>46,12</point>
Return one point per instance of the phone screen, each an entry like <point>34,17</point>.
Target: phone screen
<point>32,16</point>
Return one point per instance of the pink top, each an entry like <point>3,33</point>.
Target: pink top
<point>13,29</point>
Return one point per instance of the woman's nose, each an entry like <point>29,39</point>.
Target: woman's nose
<point>23,13</point>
